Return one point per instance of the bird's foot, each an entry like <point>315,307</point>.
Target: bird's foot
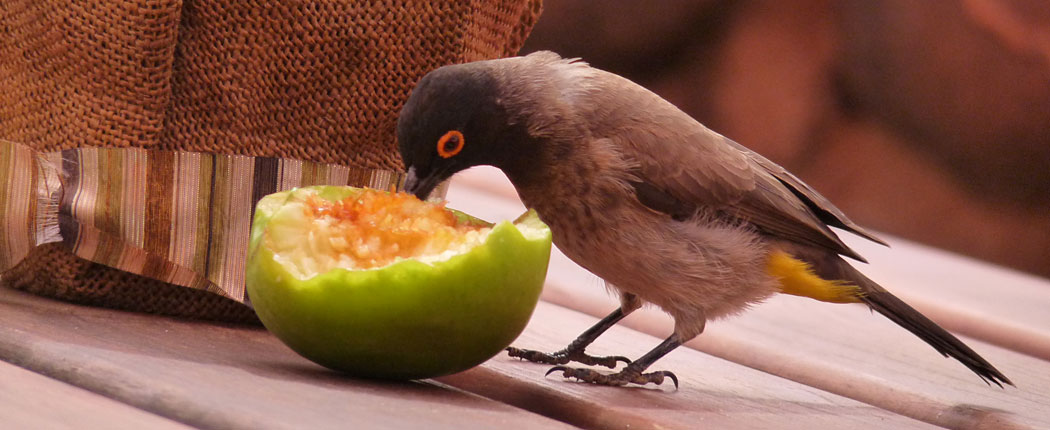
<point>566,355</point>
<point>624,377</point>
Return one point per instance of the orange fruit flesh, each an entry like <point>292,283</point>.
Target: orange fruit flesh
<point>373,229</point>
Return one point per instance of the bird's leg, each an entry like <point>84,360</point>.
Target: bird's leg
<point>633,373</point>
<point>574,352</point>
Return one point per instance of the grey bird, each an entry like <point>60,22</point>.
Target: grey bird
<point>639,193</point>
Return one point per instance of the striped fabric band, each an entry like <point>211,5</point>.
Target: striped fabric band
<point>180,217</point>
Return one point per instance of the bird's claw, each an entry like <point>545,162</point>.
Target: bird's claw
<point>607,361</point>
<point>627,376</point>
<point>537,356</point>
<point>565,356</point>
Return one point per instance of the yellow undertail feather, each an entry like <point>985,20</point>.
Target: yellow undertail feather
<point>797,278</point>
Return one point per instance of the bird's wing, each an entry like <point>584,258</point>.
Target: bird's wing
<point>682,167</point>
<point>818,204</point>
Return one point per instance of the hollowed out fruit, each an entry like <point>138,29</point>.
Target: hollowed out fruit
<point>383,285</point>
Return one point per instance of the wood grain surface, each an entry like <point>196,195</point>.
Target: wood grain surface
<point>33,401</point>
<point>846,349</point>
<point>223,377</point>
<point>714,392</point>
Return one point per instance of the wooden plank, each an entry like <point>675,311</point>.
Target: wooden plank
<point>33,401</point>
<point>235,377</point>
<point>848,350</point>
<point>714,393</point>
<point>782,336</point>
<point>223,377</point>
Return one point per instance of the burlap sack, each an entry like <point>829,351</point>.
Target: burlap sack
<point>319,81</point>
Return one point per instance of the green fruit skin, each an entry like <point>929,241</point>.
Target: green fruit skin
<point>408,320</point>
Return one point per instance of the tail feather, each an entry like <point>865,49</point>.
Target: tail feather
<point>906,316</point>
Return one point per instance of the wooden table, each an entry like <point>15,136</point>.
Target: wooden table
<point>788,363</point>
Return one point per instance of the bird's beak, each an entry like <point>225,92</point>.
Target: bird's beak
<point>420,186</point>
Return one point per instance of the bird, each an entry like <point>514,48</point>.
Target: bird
<point>666,211</point>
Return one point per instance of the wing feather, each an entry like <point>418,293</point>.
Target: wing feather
<point>698,168</point>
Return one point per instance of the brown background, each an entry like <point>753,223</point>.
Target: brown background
<point>927,120</point>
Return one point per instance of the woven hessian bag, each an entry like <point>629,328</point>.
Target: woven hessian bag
<point>317,80</point>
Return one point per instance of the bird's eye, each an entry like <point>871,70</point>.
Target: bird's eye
<point>450,144</point>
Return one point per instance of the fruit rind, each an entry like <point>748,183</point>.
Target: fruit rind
<point>409,319</point>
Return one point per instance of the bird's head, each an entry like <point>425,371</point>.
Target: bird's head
<point>455,119</point>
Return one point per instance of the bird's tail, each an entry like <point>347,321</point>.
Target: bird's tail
<point>906,316</point>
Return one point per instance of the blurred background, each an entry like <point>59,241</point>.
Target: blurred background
<point>929,120</point>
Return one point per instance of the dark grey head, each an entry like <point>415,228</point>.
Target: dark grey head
<point>453,120</point>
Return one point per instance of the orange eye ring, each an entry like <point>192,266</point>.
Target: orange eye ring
<point>450,144</point>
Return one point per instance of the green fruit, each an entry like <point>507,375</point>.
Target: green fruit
<point>406,319</point>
